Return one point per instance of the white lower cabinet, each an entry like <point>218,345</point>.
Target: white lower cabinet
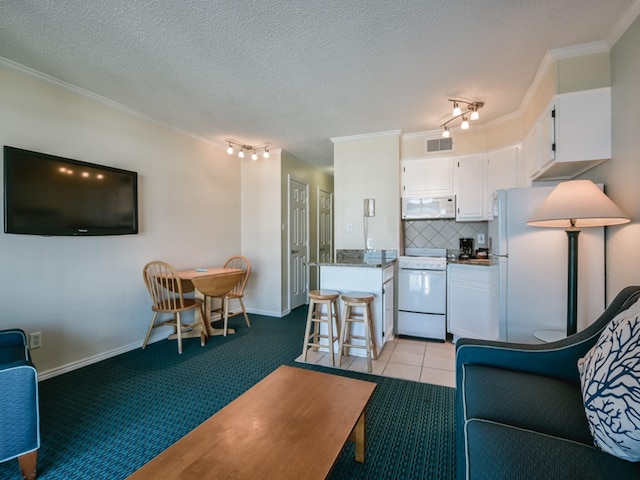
<point>472,309</point>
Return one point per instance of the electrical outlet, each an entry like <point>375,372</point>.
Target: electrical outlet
<point>349,228</point>
<point>481,239</point>
<point>35,340</point>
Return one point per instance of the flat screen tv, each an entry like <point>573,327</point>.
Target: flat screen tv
<point>49,195</point>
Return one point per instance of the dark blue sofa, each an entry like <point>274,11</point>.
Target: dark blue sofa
<point>519,410</point>
<point>19,412</point>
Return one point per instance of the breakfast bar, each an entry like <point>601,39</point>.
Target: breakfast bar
<point>372,272</point>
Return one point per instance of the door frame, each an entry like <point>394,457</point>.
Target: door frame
<point>318,232</point>
<point>291,178</point>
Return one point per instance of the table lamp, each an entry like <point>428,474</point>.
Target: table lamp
<point>574,205</point>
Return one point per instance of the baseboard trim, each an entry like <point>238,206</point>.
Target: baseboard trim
<point>94,359</point>
<point>54,372</point>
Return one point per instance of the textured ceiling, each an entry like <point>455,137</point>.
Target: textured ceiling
<point>296,73</point>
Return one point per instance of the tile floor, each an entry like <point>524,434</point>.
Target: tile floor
<point>410,359</point>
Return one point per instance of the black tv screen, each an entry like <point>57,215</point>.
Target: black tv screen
<point>49,195</point>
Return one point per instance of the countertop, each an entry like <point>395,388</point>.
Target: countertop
<point>483,262</point>
<point>360,258</point>
<point>356,263</point>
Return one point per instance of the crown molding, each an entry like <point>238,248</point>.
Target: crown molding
<point>578,50</point>
<point>553,56</point>
<point>17,67</point>
<point>433,134</point>
<point>623,23</point>
<point>366,136</point>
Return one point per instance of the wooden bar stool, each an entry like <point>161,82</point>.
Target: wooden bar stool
<point>362,302</point>
<point>323,308</point>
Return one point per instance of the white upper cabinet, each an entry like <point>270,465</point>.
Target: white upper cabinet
<point>502,171</point>
<point>427,176</point>
<point>472,178</point>
<point>573,135</point>
<point>469,187</point>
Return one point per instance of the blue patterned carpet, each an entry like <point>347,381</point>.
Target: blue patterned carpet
<point>106,420</point>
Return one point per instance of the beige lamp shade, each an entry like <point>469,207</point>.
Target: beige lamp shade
<point>577,204</point>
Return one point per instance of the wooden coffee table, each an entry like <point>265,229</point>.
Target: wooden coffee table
<point>291,425</point>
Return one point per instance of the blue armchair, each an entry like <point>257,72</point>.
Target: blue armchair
<point>519,409</point>
<point>19,412</point>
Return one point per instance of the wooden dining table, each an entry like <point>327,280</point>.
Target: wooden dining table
<point>187,276</point>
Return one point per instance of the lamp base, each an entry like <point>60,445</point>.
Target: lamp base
<point>572,282</point>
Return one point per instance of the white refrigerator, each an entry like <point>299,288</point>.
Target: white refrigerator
<point>532,262</point>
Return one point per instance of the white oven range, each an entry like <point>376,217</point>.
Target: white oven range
<point>422,293</point>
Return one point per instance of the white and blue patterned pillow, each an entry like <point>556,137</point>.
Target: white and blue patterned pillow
<point>610,379</point>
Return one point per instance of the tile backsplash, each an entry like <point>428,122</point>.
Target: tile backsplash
<point>442,233</point>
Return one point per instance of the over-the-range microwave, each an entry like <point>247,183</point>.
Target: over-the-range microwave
<point>428,207</point>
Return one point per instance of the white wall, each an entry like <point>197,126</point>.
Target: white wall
<point>86,295</point>
<point>265,226</point>
<point>621,174</point>
<point>261,203</point>
<point>367,166</point>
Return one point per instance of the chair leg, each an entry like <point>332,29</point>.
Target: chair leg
<point>225,312</point>
<point>373,337</point>
<point>179,331</point>
<point>336,315</point>
<point>244,310</point>
<point>367,337</point>
<point>28,463</point>
<point>146,337</point>
<point>204,333</point>
<point>316,326</point>
<point>330,331</point>
<point>343,335</point>
<point>307,332</point>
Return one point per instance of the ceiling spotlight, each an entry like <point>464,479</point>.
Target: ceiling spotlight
<point>469,111</point>
<point>242,148</point>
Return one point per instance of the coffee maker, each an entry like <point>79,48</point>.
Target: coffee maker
<point>466,248</point>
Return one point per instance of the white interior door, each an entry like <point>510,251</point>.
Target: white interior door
<point>325,229</point>
<point>298,242</point>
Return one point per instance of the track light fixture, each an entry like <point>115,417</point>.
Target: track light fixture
<point>469,111</point>
<point>242,148</point>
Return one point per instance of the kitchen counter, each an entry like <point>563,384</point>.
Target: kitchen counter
<point>356,263</point>
<point>360,258</point>
<point>485,262</point>
<point>372,272</point>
